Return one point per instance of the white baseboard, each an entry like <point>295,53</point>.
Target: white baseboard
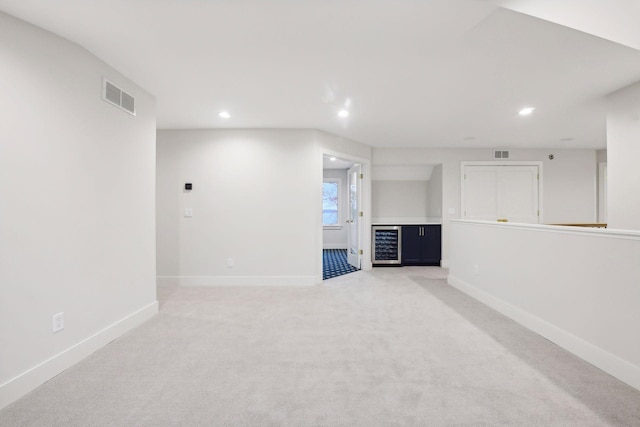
<point>334,246</point>
<point>22,384</point>
<point>444,263</point>
<point>597,356</point>
<point>239,280</point>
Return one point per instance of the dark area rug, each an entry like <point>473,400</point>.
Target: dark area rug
<point>334,263</point>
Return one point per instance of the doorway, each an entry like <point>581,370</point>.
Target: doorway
<point>342,216</point>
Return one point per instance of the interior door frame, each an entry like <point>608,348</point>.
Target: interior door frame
<point>602,192</point>
<point>365,236</point>
<point>357,169</point>
<point>537,163</point>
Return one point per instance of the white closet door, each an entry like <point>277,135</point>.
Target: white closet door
<point>480,192</point>
<point>493,192</point>
<point>518,193</point>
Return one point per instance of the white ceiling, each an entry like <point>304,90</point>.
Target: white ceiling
<point>615,20</point>
<point>413,73</point>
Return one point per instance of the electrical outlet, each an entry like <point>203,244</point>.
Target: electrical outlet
<point>58,322</point>
<point>229,262</point>
<point>188,213</point>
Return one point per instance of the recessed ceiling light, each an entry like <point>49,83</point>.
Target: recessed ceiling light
<point>526,111</point>
<point>224,114</point>
<point>343,113</point>
<point>333,159</point>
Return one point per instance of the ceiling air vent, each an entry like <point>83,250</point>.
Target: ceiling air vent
<point>500,154</point>
<point>116,96</point>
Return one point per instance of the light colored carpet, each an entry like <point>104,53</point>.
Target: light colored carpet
<point>392,347</point>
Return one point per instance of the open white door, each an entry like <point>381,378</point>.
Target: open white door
<point>354,222</point>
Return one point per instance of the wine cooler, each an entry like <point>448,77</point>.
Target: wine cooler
<point>386,242</point>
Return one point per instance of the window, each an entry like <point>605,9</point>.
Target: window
<point>331,202</point>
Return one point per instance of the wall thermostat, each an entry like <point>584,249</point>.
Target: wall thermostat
<point>188,186</point>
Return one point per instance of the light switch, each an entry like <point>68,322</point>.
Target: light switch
<point>452,211</point>
<point>188,212</point>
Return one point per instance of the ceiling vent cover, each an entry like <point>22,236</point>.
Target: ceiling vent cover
<point>116,96</point>
<point>501,154</point>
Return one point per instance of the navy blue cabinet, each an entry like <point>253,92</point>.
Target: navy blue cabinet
<point>421,244</point>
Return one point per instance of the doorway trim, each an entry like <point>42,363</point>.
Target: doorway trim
<point>602,192</point>
<point>355,258</point>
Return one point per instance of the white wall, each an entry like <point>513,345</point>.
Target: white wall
<point>601,156</point>
<point>569,180</point>
<point>576,287</point>
<point>256,198</point>
<point>400,201</point>
<point>343,148</point>
<point>336,237</point>
<point>401,193</point>
<point>623,159</point>
<point>570,183</point>
<point>77,211</point>
<point>435,193</point>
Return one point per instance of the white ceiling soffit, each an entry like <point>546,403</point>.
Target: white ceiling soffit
<point>437,73</point>
<point>402,173</point>
<point>327,163</point>
<point>615,20</point>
